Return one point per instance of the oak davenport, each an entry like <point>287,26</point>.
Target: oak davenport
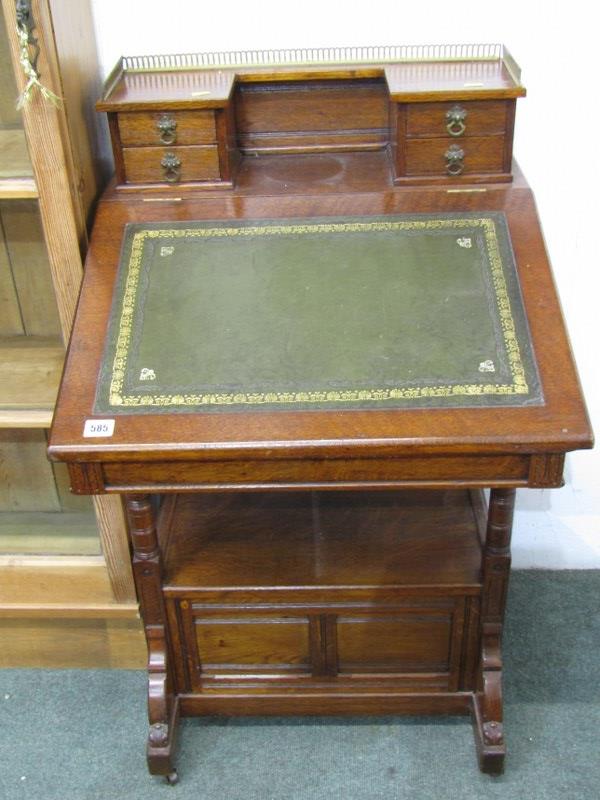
<point>307,340</point>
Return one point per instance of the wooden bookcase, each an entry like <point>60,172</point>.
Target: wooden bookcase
<point>64,564</point>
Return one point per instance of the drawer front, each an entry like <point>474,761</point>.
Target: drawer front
<point>171,164</point>
<point>483,118</point>
<point>480,155</point>
<point>167,128</point>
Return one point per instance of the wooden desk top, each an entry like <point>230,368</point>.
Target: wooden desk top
<point>481,446</point>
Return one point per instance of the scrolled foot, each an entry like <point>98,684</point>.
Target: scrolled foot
<point>489,741</point>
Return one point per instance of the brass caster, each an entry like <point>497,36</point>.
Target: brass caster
<point>172,778</point>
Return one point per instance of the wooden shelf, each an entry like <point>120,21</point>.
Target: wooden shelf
<point>34,365</point>
<point>302,539</point>
<point>16,174</point>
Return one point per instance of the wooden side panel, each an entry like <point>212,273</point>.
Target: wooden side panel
<point>227,143</point>
<point>547,470</point>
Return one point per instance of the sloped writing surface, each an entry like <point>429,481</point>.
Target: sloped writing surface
<point>397,311</point>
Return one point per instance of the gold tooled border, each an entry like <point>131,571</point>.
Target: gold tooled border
<point>518,386</point>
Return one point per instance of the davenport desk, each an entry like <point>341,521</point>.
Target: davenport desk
<point>317,322</point>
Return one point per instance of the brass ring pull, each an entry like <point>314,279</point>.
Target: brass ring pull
<point>172,167</point>
<point>456,121</point>
<point>167,129</point>
<point>454,160</point>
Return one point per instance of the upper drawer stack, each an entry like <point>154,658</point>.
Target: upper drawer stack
<point>173,128</point>
<point>169,146</point>
<point>453,121</point>
<point>452,139</point>
<point>445,114</point>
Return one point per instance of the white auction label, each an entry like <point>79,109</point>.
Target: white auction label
<point>98,427</point>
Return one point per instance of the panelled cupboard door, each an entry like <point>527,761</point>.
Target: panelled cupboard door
<point>408,643</point>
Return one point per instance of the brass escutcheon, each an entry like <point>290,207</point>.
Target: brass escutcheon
<point>454,159</point>
<point>456,121</point>
<point>167,129</point>
<point>172,167</point>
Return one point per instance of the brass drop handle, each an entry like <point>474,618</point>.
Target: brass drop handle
<point>172,167</point>
<point>454,160</point>
<point>167,129</point>
<point>455,124</point>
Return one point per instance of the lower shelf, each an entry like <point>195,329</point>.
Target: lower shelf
<point>310,540</point>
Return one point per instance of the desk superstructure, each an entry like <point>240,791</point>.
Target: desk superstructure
<point>318,320</point>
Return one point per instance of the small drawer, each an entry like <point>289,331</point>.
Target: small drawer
<point>171,164</point>
<point>167,128</point>
<point>480,155</point>
<point>457,119</point>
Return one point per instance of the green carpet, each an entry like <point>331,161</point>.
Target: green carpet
<point>78,735</point>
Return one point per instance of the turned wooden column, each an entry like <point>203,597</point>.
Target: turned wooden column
<point>147,570</point>
<point>487,704</point>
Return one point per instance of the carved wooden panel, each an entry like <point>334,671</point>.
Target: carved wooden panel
<point>245,644</point>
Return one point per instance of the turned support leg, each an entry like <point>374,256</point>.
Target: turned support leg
<point>147,570</point>
<point>487,701</point>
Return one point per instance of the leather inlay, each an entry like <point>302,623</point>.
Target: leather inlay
<point>420,310</point>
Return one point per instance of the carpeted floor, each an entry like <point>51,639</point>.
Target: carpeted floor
<point>78,735</point>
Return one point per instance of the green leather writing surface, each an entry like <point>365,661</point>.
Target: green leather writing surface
<point>370,312</point>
